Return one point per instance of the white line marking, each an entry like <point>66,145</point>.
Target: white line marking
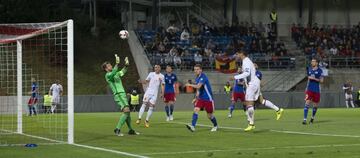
<point>250,149</point>
<point>109,150</point>
<point>279,131</point>
<point>80,145</point>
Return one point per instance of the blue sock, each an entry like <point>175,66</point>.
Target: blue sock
<point>167,111</point>
<point>213,120</point>
<point>231,108</point>
<point>306,109</point>
<point>314,110</point>
<point>171,109</point>
<point>194,119</point>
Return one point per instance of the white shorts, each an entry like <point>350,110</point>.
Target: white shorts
<point>55,99</point>
<point>348,96</point>
<point>252,92</point>
<point>150,98</point>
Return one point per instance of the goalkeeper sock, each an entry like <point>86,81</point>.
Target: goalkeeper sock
<point>149,113</point>
<point>142,110</point>
<point>167,110</point>
<point>128,121</point>
<point>122,120</point>
<point>270,105</point>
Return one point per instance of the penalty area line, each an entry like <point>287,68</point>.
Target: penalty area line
<point>251,149</point>
<point>280,131</point>
<point>110,150</point>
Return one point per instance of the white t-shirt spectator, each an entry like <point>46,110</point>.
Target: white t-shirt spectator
<point>184,35</point>
<point>173,51</point>
<point>177,60</point>
<point>198,58</point>
<point>333,51</point>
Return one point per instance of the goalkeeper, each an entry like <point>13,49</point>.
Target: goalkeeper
<point>113,78</point>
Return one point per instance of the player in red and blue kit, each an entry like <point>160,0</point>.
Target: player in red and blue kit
<point>169,92</point>
<point>204,99</point>
<point>33,98</point>
<point>315,77</point>
<point>238,93</point>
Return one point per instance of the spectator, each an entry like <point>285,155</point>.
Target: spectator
<point>198,58</point>
<point>185,35</point>
<point>134,100</point>
<point>177,61</point>
<point>227,88</point>
<point>273,19</point>
<point>334,50</point>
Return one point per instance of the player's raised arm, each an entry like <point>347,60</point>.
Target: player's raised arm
<point>125,68</point>
<point>244,74</point>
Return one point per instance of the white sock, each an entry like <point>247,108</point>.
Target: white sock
<point>142,110</point>
<point>352,104</point>
<point>247,116</point>
<point>347,104</point>
<point>53,107</point>
<point>251,113</point>
<point>149,113</point>
<point>270,105</point>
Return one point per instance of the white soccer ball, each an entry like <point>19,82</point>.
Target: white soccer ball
<point>124,34</point>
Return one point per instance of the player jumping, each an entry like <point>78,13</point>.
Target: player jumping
<point>154,80</point>
<point>113,78</point>
<point>204,99</point>
<point>266,102</point>
<point>169,92</point>
<point>315,77</point>
<point>253,88</point>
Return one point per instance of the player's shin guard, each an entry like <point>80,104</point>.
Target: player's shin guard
<point>122,120</point>
<point>314,110</point>
<point>251,113</point>
<point>306,109</point>
<point>231,109</point>
<point>270,105</point>
<point>171,109</point>
<point>149,113</point>
<point>142,110</point>
<point>213,120</point>
<point>194,119</point>
<point>167,110</point>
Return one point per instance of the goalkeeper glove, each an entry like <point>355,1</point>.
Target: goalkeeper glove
<point>127,61</point>
<point>117,59</point>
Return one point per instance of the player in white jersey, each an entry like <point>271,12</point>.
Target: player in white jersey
<point>154,80</point>
<point>253,89</point>
<point>55,91</point>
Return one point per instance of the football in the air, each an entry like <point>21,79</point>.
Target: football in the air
<point>124,34</point>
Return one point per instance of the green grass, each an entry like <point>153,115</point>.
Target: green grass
<point>172,139</point>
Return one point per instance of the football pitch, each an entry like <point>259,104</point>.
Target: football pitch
<point>335,133</point>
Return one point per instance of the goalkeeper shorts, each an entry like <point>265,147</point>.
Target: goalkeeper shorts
<point>121,100</point>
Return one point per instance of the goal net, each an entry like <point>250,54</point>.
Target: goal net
<point>36,59</point>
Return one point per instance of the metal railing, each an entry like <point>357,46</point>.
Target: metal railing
<point>339,62</point>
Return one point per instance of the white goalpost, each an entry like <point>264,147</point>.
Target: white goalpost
<point>33,57</point>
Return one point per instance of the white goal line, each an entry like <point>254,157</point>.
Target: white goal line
<point>63,142</point>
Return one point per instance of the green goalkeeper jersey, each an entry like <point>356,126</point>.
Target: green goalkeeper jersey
<point>114,79</point>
